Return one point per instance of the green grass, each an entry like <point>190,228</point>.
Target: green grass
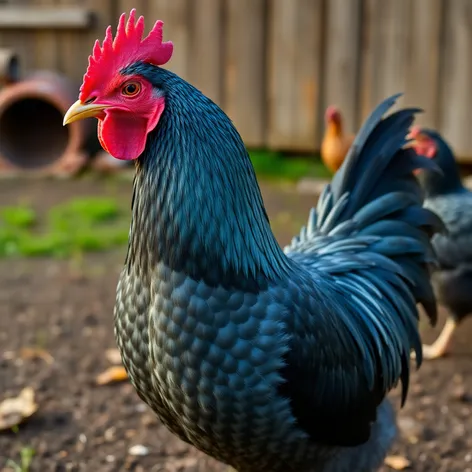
<point>274,165</point>
<point>83,225</point>
<point>26,458</point>
<point>71,228</point>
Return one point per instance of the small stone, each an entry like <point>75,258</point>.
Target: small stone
<point>460,394</point>
<point>130,433</point>
<point>411,429</point>
<point>141,408</point>
<point>427,400</point>
<point>109,434</point>
<point>138,450</point>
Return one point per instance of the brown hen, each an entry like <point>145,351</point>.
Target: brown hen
<point>335,142</point>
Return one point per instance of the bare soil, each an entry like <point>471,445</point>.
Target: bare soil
<point>65,307</point>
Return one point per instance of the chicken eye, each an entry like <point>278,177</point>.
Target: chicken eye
<point>131,89</point>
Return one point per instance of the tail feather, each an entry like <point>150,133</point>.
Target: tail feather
<point>375,193</point>
<point>371,231</point>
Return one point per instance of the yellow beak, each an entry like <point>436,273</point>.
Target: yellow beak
<point>79,111</point>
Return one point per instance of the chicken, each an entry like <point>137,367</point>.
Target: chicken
<point>336,142</point>
<point>452,202</point>
<point>269,360</point>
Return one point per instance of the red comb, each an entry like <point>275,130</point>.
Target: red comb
<point>415,131</point>
<point>127,47</point>
<point>331,113</point>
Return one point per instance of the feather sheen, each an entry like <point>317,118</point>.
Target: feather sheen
<point>272,359</point>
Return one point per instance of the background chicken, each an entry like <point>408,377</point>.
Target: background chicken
<point>336,142</point>
<point>448,198</point>
<point>267,360</point>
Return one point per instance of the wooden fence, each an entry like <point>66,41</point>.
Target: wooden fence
<point>274,65</point>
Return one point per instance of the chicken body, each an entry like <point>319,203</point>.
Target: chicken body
<point>269,360</point>
<point>265,360</point>
<point>452,202</point>
<point>336,142</point>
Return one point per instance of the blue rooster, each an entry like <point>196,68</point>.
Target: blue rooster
<point>269,360</point>
<point>452,202</point>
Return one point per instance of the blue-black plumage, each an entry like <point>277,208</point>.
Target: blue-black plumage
<point>269,360</point>
<point>452,202</point>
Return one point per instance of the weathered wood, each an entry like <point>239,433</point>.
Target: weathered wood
<point>45,44</point>
<point>44,17</point>
<point>456,91</point>
<point>175,15</point>
<point>385,66</point>
<point>294,75</point>
<point>341,71</point>
<point>74,49</point>
<point>20,40</point>
<point>424,50</point>
<point>245,68</point>
<point>206,47</point>
<point>368,46</point>
<point>125,6</point>
<point>274,65</point>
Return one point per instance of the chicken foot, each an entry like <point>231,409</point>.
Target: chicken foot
<point>439,348</point>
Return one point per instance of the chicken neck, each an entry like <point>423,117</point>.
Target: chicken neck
<point>197,206</point>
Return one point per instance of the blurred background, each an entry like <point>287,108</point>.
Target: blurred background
<point>275,67</point>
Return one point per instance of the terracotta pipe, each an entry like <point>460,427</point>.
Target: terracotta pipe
<point>32,137</point>
<point>9,67</point>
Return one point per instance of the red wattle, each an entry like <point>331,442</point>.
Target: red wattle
<point>123,134</point>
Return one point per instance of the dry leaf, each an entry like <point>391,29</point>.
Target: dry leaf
<point>397,462</point>
<point>113,356</point>
<point>14,411</point>
<point>36,353</point>
<point>111,375</point>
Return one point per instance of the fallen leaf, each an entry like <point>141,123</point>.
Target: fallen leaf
<point>36,353</point>
<point>13,411</point>
<point>113,356</point>
<point>397,462</point>
<point>111,375</point>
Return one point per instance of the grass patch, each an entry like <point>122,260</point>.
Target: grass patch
<point>275,165</point>
<point>26,459</point>
<point>71,228</point>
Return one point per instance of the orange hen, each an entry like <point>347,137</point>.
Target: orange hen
<point>335,142</point>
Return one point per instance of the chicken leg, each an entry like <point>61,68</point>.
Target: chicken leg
<point>439,348</point>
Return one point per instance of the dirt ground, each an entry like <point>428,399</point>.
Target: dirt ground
<point>66,308</point>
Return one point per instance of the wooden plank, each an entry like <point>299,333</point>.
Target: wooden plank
<point>45,44</point>
<point>422,78</point>
<point>44,17</point>
<point>74,49</point>
<point>294,75</point>
<point>125,6</point>
<point>456,91</point>
<point>385,71</point>
<point>371,42</point>
<point>245,70</point>
<point>341,71</point>
<point>175,15</point>
<point>20,41</point>
<point>206,47</point>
